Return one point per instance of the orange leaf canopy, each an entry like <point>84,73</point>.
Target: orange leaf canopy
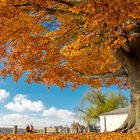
<point>57,41</point>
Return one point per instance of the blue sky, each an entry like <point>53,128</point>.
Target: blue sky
<point>22,104</point>
<point>54,100</point>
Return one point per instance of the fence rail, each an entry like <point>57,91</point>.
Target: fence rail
<point>16,129</point>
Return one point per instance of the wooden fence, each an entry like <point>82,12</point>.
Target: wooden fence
<point>47,130</point>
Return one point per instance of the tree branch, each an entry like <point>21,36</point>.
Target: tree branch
<point>81,110</point>
<point>120,73</point>
<point>22,5</point>
<point>56,39</point>
<point>49,10</point>
<point>126,48</point>
<point>55,10</point>
<point>121,55</point>
<point>57,1</point>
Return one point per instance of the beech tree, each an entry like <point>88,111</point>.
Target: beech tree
<point>94,42</point>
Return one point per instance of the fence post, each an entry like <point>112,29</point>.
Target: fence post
<point>15,129</point>
<point>45,130</point>
<point>67,130</point>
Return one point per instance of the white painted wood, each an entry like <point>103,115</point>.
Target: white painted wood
<point>111,122</point>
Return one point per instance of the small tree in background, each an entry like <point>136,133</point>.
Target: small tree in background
<point>94,103</point>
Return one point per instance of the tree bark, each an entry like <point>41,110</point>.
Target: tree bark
<point>132,65</point>
<point>132,123</point>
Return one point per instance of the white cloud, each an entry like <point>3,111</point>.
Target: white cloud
<point>59,116</point>
<point>49,117</point>
<point>15,117</point>
<point>3,95</point>
<point>60,113</point>
<point>9,120</point>
<point>21,103</point>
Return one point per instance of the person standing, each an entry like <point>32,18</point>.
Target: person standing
<point>27,128</point>
<point>31,128</point>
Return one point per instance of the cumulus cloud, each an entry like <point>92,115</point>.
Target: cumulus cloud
<point>15,117</point>
<point>37,121</point>
<point>48,117</point>
<point>59,116</point>
<point>57,113</point>
<point>9,120</point>
<point>3,95</point>
<point>21,103</point>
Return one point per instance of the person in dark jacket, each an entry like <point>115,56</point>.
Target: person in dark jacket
<point>28,128</point>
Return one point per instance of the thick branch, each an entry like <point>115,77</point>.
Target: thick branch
<point>55,10</point>
<point>57,1</point>
<point>49,10</point>
<point>130,46</point>
<point>22,5</point>
<point>122,56</point>
<point>120,73</point>
<point>126,48</point>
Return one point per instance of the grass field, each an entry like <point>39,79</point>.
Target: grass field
<point>82,136</point>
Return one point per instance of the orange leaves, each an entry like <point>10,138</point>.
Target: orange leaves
<point>120,41</point>
<point>75,10</point>
<point>2,52</point>
<point>78,38</point>
<point>68,50</point>
<point>81,46</point>
<point>3,3</point>
<point>80,136</point>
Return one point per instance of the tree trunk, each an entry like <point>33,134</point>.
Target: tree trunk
<point>130,61</point>
<point>132,123</point>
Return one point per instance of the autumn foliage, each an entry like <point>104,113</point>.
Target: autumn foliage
<point>57,41</point>
<point>84,136</point>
